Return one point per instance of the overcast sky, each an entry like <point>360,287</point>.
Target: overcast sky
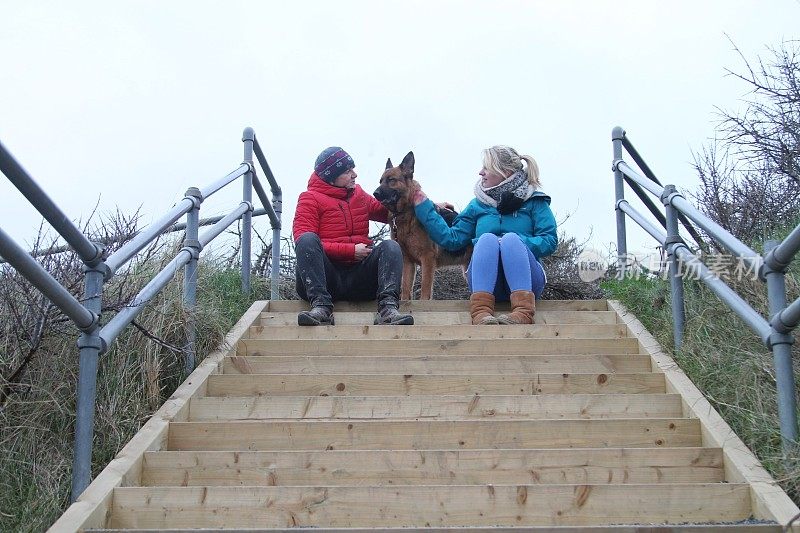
<point>130,103</point>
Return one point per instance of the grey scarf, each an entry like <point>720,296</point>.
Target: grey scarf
<point>516,186</point>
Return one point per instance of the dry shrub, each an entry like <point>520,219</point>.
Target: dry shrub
<point>39,366</point>
<point>750,174</point>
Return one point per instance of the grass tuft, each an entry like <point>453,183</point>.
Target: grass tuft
<point>724,358</point>
<point>140,371</point>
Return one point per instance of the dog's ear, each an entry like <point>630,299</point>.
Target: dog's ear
<point>389,164</point>
<point>407,166</point>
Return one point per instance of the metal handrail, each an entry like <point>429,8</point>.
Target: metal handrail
<point>647,201</point>
<point>138,243</point>
<point>771,268</point>
<point>212,188</point>
<point>731,243</point>
<point>645,224</point>
<point>787,319</point>
<point>781,256</point>
<point>640,162</point>
<point>94,340</point>
<point>90,253</point>
<point>740,307</point>
<point>116,325</point>
<point>105,241</point>
<point>84,319</point>
<point>678,201</point>
<point>275,211</point>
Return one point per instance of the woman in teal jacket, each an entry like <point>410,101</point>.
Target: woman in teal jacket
<point>511,226</point>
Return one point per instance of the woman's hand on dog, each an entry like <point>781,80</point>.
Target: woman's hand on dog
<point>420,197</point>
<point>362,251</point>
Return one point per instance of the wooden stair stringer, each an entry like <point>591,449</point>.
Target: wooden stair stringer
<point>768,500</point>
<point>121,495</point>
<point>92,510</point>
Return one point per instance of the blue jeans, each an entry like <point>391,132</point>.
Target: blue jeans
<point>501,265</point>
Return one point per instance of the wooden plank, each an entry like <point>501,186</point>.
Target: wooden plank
<point>532,346</point>
<point>745,527</point>
<point>613,383</point>
<point>434,434</point>
<point>412,384</point>
<point>435,364</point>
<point>434,467</point>
<point>452,332</point>
<point>365,318</point>
<point>294,306</point>
<point>552,406</point>
<point>443,318</point>
<point>93,507</point>
<point>770,502</point>
<point>409,506</point>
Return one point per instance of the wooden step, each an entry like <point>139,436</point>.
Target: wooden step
<point>518,346</point>
<point>740,527</point>
<point>437,426</point>
<point>553,406</point>
<point>434,434</point>
<point>417,506</point>
<point>456,332</point>
<point>443,318</point>
<point>294,306</point>
<point>415,384</point>
<point>434,467</point>
<point>436,364</point>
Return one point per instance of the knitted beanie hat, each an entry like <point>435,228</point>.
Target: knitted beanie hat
<point>332,163</point>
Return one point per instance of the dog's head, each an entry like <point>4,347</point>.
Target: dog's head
<point>397,185</point>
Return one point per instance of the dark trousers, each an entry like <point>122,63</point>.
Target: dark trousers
<point>321,282</point>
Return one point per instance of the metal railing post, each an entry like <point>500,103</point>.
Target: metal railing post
<point>247,218</point>
<point>619,189</point>
<point>277,206</point>
<point>275,274</point>
<point>275,265</point>
<point>90,346</point>
<point>672,241</point>
<point>192,244</point>
<point>781,345</point>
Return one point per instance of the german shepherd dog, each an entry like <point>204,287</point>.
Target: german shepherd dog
<point>396,193</point>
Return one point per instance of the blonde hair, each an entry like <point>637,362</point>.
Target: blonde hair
<point>504,160</point>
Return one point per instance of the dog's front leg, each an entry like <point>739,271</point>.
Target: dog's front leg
<point>409,272</point>
<point>426,284</point>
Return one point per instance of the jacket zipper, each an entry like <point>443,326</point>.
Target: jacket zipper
<point>345,219</point>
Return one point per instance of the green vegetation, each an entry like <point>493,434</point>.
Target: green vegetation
<point>135,377</point>
<point>749,183</point>
<point>724,358</point>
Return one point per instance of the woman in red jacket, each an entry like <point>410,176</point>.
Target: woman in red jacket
<point>336,259</point>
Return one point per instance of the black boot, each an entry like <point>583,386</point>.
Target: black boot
<point>388,314</point>
<point>317,316</point>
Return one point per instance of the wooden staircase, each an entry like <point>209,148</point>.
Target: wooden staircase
<point>579,420</point>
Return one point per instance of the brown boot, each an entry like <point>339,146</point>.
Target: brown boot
<point>523,306</point>
<point>481,307</point>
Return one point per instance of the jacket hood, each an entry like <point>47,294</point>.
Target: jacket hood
<point>540,194</point>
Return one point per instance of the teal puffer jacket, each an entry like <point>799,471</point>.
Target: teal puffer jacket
<point>533,222</point>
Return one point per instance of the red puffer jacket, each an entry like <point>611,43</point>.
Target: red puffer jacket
<point>339,216</point>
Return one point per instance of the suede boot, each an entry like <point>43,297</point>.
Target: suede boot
<point>523,306</point>
<point>481,307</point>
